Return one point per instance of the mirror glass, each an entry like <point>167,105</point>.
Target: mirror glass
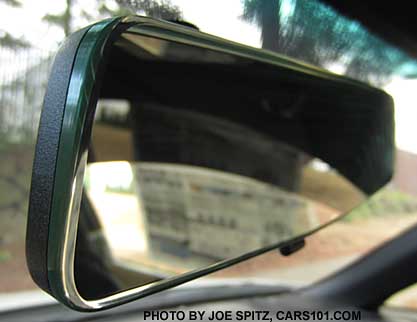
<point>199,156</point>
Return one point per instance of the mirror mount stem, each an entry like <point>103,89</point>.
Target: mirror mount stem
<point>292,247</point>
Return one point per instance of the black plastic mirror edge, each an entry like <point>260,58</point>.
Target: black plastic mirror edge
<point>44,166</point>
<point>45,160</point>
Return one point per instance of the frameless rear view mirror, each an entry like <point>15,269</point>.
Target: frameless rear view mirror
<point>165,154</point>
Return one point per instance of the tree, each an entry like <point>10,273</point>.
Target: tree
<point>157,9</point>
<point>315,33</point>
<point>7,40</point>
<point>267,15</point>
<point>62,20</point>
<point>310,31</point>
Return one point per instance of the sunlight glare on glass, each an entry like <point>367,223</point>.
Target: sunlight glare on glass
<point>403,92</point>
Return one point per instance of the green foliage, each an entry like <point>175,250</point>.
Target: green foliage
<point>15,174</point>
<point>158,9</point>
<point>8,41</point>
<point>254,10</point>
<point>315,33</point>
<point>105,11</point>
<point>5,256</point>
<point>12,3</point>
<point>62,20</point>
<point>57,20</point>
<point>387,202</point>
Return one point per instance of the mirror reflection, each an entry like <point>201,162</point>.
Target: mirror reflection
<point>197,156</point>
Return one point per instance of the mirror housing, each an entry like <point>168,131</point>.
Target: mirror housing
<point>363,153</point>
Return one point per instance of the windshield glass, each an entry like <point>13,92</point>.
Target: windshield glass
<point>305,30</point>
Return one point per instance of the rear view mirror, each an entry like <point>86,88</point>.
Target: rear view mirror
<point>165,154</point>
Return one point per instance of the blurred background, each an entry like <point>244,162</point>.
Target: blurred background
<point>31,32</point>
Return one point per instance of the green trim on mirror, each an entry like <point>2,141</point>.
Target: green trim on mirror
<point>80,89</point>
<point>71,158</point>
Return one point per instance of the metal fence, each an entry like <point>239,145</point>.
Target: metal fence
<point>23,79</point>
